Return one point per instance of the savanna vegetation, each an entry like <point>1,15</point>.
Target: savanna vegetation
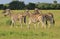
<point>17,33</point>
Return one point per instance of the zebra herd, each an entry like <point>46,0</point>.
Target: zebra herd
<point>35,17</point>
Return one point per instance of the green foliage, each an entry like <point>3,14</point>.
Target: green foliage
<point>19,5</point>
<point>55,2</point>
<point>2,7</point>
<point>31,6</point>
<point>48,6</point>
<point>16,5</point>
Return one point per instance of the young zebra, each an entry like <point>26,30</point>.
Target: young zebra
<point>14,17</point>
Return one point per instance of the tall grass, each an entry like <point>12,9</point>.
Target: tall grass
<point>17,33</point>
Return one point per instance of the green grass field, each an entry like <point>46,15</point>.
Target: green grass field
<point>17,33</point>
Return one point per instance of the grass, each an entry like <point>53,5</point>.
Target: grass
<point>17,33</point>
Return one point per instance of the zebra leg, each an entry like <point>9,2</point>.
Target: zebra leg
<point>46,23</point>
<point>13,23</point>
<point>38,25</point>
<point>43,24</point>
<point>20,20</point>
<point>25,19</point>
<point>29,24</point>
<point>53,21</point>
<point>45,20</point>
<point>35,26</point>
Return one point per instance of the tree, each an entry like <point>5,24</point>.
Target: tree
<point>31,6</point>
<point>2,7</point>
<point>55,2</point>
<point>16,5</point>
<point>15,0</point>
<point>43,5</point>
<point>58,6</point>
